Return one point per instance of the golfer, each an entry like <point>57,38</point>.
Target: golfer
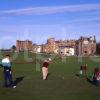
<point>6,64</point>
<point>45,68</point>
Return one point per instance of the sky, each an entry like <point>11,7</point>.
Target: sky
<point>37,20</point>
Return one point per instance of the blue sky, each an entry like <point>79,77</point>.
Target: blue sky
<point>38,20</point>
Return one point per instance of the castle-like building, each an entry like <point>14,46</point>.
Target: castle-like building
<point>86,46</point>
<point>83,46</point>
<point>59,47</point>
<point>51,46</point>
<point>24,45</point>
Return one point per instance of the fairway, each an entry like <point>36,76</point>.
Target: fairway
<point>62,82</point>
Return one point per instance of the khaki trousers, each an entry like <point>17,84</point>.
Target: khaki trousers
<point>44,72</point>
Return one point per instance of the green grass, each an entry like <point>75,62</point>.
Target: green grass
<point>62,84</point>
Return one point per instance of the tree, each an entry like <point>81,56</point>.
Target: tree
<point>13,48</point>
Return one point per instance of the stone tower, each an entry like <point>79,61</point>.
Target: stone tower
<point>86,46</point>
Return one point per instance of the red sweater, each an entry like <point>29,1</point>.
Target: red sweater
<point>45,64</point>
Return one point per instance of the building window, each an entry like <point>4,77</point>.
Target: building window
<point>85,52</point>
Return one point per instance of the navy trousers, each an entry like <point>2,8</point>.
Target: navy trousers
<point>8,82</point>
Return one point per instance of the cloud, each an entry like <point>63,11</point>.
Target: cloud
<point>88,19</point>
<point>51,10</point>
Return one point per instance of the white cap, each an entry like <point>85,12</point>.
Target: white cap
<point>49,59</point>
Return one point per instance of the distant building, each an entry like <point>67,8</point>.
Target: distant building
<point>24,45</point>
<point>37,48</point>
<point>83,46</point>
<point>53,46</point>
<point>86,46</point>
<point>66,50</point>
<point>50,46</point>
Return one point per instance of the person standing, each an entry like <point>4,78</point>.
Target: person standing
<point>85,69</point>
<point>6,64</point>
<point>45,68</point>
<point>81,70</point>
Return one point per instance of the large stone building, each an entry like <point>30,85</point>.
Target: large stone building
<point>57,47</point>
<point>66,47</point>
<point>37,48</point>
<point>24,45</point>
<point>50,46</point>
<point>86,46</point>
<point>82,46</point>
<point>66,51</point>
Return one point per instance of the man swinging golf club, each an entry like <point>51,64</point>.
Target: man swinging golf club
<point>45,68</point>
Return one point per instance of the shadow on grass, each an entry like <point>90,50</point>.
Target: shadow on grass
<point>81,76</point>
<point>90,81</point>
<point>18,80</point>
<point>78,75</point>
<point>48,75</point>
<point>93,83</point>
